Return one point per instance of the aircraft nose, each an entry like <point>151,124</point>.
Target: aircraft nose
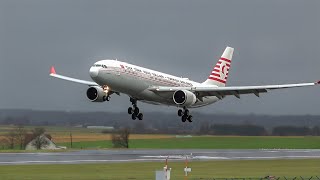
<point>94,71</point>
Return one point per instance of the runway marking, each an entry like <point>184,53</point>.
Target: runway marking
<point>104,156</point>
<point>183,157</point>
<point>276,157</point>
<point>159,158</point>
<point>230,158</point>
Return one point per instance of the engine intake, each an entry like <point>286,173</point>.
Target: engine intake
<point>96,94</point>
<point>184,97</point>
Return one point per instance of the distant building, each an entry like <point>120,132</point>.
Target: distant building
<point>101,127</point>
<point>49,145</point>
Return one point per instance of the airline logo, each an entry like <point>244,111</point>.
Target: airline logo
<point>221,70</point>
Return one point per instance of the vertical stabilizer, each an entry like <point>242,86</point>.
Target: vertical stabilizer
<point>219,74</point>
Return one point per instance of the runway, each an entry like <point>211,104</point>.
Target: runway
<point>145,155</point>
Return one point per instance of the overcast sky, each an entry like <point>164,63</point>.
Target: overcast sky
<point>275,42</point>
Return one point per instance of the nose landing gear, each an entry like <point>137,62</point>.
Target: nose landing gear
<point>134,110</point>
<point>184,114</point>
<point>108,92</point>
<point>106,98</point>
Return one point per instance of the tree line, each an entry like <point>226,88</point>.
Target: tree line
<point>153,120</point>
<point>18,138</point>
<point>254,130</point>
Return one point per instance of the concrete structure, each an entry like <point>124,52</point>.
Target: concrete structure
<point>165,173</point>
<point>49,145</point>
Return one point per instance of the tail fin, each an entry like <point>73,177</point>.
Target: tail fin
<point>219,74</point>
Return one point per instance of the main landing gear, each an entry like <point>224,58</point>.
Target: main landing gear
<point>184,113</point>
<point>134,110</point>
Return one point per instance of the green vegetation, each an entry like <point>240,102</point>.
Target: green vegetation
<point>213,142</point>
<point>146,170</point>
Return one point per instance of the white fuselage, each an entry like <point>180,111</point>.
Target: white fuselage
<point>134,81</point>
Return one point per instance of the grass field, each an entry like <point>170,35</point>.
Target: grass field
<point>93,138</point>
<point>146,170</point>
<point>62,134</point>
<point>212,142</point>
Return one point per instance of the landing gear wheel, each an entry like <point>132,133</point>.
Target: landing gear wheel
<point>106,98</point>
<point>130,110</point>
<point>133,116</point>
<point>140,116</point>
<point>185,115</point>
<point>184,118</point>
<point>186,112</point>
<point>136,110</point>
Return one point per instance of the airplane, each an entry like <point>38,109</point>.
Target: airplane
<point>154,87</point>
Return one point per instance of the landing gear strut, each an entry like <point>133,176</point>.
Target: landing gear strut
<point>184,113</point>
<point>134,110</point>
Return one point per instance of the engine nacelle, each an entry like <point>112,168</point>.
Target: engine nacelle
<point>96,94</point>
<point>184,97</point>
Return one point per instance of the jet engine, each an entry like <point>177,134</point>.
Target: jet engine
<point>96,94</point>
<point>184,97</point>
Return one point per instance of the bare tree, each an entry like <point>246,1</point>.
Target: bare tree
<point>4,143</point>
<point>11,137</point>
<point>40,141</point>
<point>20,136</point>
<point>39,137</point>
<point>38,131</point>
<point>120,139</point>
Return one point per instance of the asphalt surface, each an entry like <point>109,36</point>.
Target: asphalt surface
<point>113,156</point>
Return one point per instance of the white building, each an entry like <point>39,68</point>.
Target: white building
<point>49,145</point>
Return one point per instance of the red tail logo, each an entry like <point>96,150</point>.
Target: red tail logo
<point>220,71</point>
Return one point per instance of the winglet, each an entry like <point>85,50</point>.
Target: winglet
<point>318,82</point>
<point>52,70</point>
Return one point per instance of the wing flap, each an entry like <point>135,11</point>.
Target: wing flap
<point>227,91</point>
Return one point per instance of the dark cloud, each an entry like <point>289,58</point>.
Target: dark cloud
<point>275,42</point>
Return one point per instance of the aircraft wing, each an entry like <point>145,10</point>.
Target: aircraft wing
<point>220,92</point>
<point>54,74</point>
